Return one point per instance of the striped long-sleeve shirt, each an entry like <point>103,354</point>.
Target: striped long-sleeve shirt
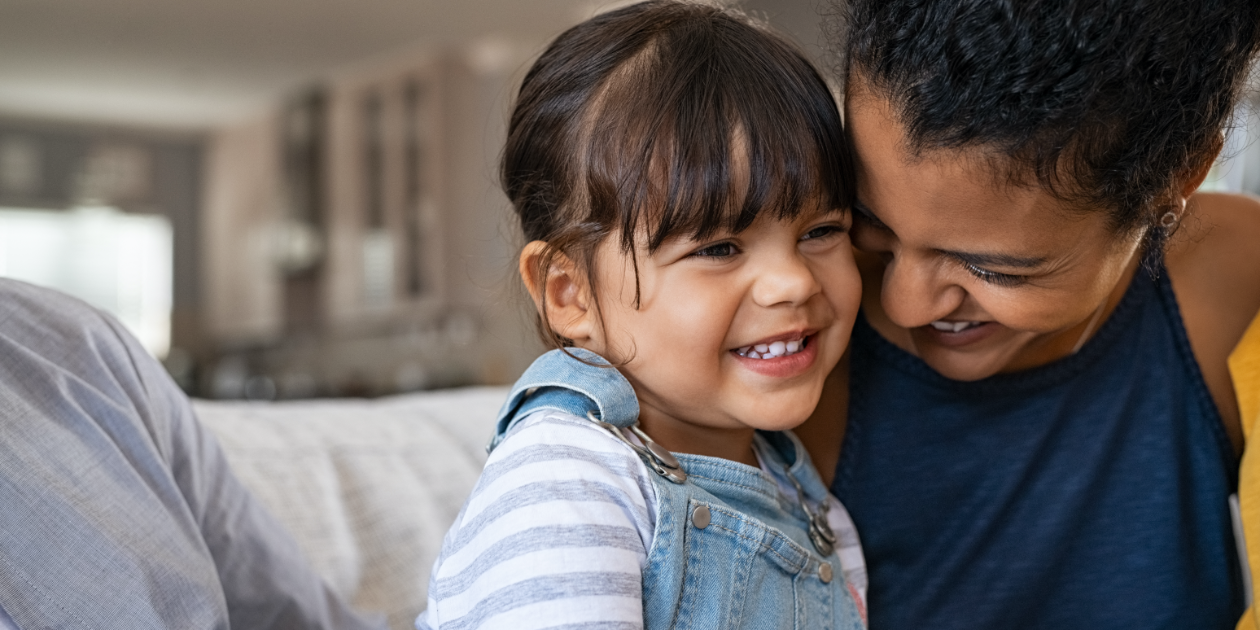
<point>556,534</point>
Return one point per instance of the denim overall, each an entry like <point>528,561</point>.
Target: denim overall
<point>729,549</point>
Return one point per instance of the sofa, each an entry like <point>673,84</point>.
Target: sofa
<point>367,487</point>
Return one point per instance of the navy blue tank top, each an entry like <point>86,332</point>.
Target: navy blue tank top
<point>1088,493</point>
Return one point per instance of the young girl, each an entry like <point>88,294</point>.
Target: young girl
<point>683,181</point>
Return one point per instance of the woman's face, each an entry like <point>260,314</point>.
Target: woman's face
<point>973,275</point>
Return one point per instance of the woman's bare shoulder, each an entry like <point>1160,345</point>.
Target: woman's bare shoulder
<point>1214,259</point>
<point>1214,264</point>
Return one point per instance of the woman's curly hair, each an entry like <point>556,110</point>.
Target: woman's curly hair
<point>1108,104</point>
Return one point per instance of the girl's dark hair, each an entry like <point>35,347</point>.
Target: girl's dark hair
<point>1104,103</point>
<point>666,119</point>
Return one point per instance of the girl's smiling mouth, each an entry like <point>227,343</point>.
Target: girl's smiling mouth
<point>772,349</point>
<point>784,356</point>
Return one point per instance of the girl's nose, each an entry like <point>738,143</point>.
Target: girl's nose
<point>915,293</point>
<point>785,280</point>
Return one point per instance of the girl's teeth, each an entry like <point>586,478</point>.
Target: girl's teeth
<point>772,350</point>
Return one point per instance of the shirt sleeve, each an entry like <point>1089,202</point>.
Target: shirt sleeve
<point>266,580</point>
<point>849,552</point>
<point>554,534</point>
<point>119,510</point>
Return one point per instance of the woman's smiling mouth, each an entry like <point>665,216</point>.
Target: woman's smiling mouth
<point>957,334</point>
<point>956,327</point>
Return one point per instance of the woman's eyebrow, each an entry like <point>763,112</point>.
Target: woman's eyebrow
<point>866,213</point>
<point>1009,261</point>
<point>997,260</point>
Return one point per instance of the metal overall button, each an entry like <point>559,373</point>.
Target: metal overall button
<point>825,572</point>
<point>700,517</point>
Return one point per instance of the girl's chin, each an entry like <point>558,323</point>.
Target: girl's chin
<point>779,410</point>
<point>772,420</point>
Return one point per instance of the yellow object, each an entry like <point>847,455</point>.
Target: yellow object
<point>1244,368</point>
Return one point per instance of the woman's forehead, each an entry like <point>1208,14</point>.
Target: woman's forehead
<point>886,159</point>
<point>957,200</point>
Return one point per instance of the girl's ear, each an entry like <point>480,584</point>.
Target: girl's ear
<point>560,290</point>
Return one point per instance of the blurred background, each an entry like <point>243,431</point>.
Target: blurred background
<point>282,198</point>
<point>292,198</point>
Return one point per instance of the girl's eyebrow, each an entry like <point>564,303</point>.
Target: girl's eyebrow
<point>834,214</point>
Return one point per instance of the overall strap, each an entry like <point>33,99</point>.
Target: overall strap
<point>572,380</point>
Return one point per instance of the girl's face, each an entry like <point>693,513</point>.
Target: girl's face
<point>973,276</point>
<point>734,332</point>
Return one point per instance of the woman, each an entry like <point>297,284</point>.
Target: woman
<point>1038,425</point>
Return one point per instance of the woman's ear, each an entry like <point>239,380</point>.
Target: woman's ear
<point>560,290</point>
<point>1195,177</point>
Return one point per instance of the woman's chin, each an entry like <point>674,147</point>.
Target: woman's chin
<point>964,364</point>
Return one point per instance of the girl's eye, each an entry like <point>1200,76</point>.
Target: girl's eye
<point>823,231</point>
<point>716,250</point>
<point>995,278</point>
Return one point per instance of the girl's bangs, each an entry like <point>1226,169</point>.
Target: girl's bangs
<point>706,146</point>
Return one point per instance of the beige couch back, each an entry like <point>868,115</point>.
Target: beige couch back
<point>368,487</point>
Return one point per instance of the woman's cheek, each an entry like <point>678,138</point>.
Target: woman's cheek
<point>1035,314</point>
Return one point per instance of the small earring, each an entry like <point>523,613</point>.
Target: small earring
<point>1169,220</point>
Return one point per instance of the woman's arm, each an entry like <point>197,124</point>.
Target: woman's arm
<point>823,432</point>
<point>1214,264</point>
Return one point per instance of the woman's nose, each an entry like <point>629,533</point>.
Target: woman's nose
<point>785,280</point>
<point>915,293</point>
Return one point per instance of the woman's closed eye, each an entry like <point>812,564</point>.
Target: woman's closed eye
<point>993,277</point>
